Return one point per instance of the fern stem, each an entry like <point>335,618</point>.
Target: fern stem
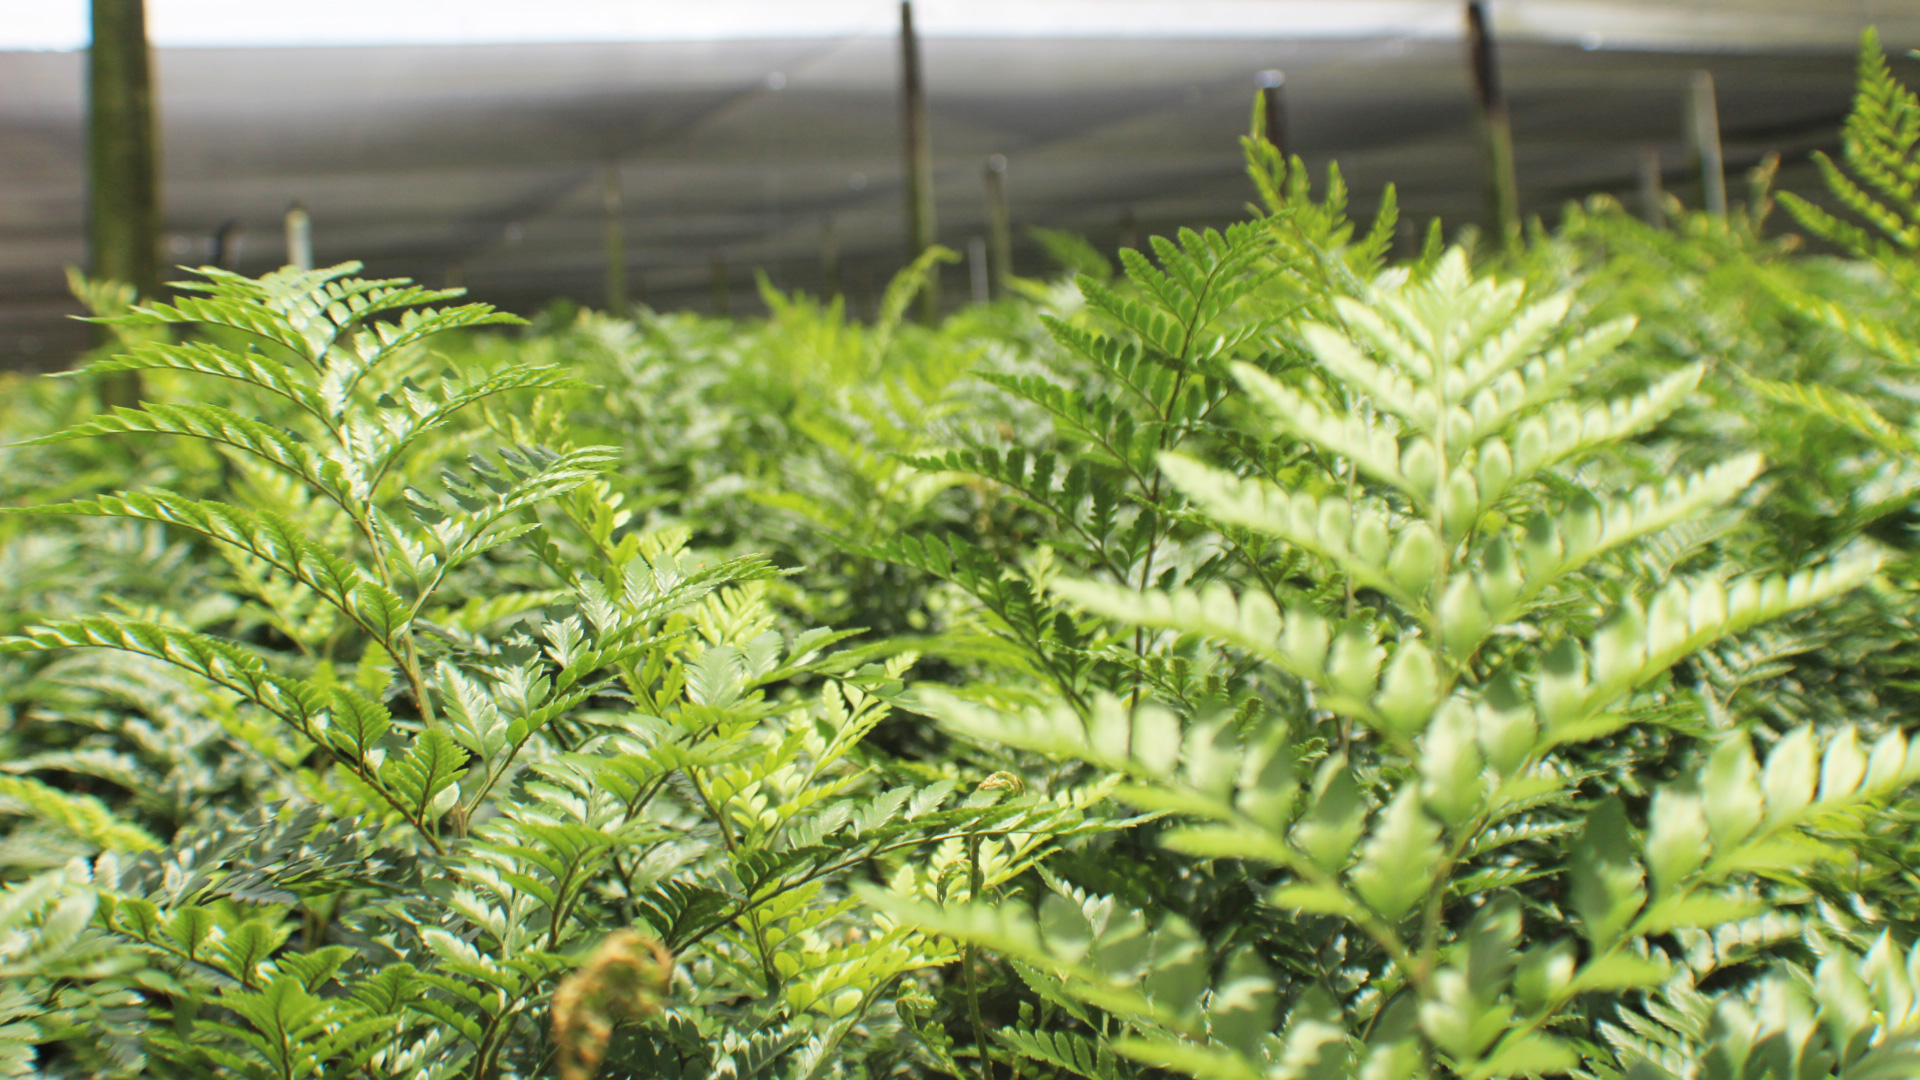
<point>969,961</point>
<point>760,943</point>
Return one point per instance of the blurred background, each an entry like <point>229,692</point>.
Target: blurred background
<point>667,151</point>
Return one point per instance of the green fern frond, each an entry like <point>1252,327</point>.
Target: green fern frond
<point>84,817</point>
<point>1879,141</point>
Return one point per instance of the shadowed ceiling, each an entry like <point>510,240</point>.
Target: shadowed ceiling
<point>485,163</point>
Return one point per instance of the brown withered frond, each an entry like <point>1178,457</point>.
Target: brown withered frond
<point>624,979</point>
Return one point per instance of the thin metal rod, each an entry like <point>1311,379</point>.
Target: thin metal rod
<point>1653,194</point>
<point>1703,122</point>
<point>1503,186</point>
<point>921,227</point>
<point>123,153</point>
<point>829,257</point>
<point>615,208</point>
<point>299,238</point>
<point>863,299</point>
<point>1273,92</point>
<point>720,297</point>
<point>977,271</point>
<point>999,225</point>
<point>224,251</point>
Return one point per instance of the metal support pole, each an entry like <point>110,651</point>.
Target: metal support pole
<point>829,257</point>
<point>123,155</point>
<point>999,226</point>
<point>1273,92</point>
<point>1406,239</point>
<point>616,243</point>
<point>977,270</point>
<point>868,297</point>
<point>1703,123</point>
<point>123,169</point>
<point>1503,187</point>
<point>921,229</point>
<point>720,298</point>
<point>1653,195</point>
<point>299,238</point>
<point>224,252</point>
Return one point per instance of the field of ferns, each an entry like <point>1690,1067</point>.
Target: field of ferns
<point>1256,658</point>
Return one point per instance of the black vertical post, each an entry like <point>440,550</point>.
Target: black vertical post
<point>123,154</point>
<point>1653,195</point>
<point>1129,229</point>
<point>1273,93</point>
<point>123,165</point>
<point>999,224</point>
<point>1703,116</point>
<point>224,252</point>
<point>614,206</point>
<point>921,230</point>
<point>1503,188</point>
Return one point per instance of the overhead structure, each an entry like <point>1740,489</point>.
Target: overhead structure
<point>475,150</point>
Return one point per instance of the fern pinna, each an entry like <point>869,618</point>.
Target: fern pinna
<point>1879,223</point>
<point>1448,786</point>
<point>505,724</point>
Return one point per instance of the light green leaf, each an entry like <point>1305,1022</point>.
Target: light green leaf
<point>83,817</point>
<point>1604,876</point>
<point>429,768</point>
<point>1399,859</point>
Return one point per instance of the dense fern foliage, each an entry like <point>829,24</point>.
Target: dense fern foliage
<point>1263,658</point>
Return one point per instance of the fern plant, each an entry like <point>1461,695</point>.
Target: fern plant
<point>1878,185</point>
<point>1729,293</point>
<point>63,977</point>
<point>1444,811</point>
<point>1148,375</point>
<point>786,438</point>
<point>505,723</point>
<point>1141,366</point>
<point>1341,670</point>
